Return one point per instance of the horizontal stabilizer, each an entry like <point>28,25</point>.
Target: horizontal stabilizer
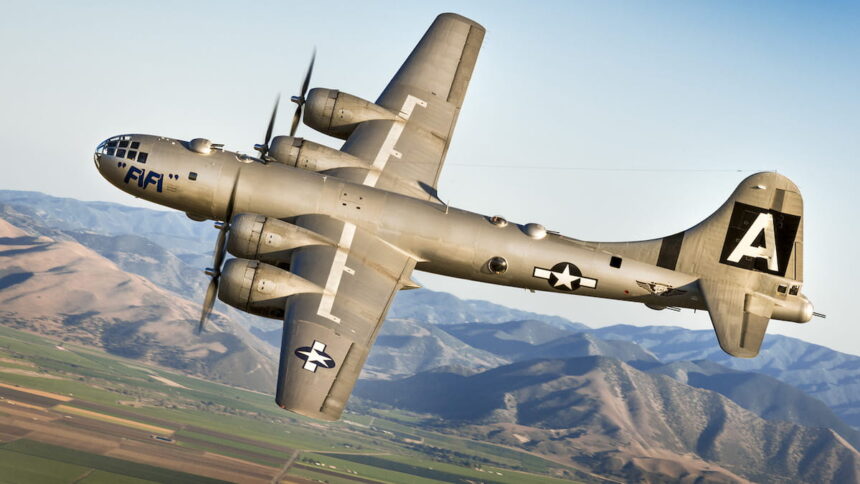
<point>739,318</point>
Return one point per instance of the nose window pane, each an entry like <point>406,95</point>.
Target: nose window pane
<point>131,154</point>
<point>141,157</point>
<point>120,153</point>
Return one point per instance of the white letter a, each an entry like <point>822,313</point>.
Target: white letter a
<point>764,221</point>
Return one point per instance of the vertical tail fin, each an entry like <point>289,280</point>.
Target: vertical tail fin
<point>757,233</point>
<point>748,256</point>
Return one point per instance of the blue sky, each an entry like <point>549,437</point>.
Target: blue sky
<point>603,120</point>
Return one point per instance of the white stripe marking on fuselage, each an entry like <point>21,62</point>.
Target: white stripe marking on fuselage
<point>542,273</point>
<point>338,266</point>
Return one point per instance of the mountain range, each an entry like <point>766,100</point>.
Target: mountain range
<point>605,414</point>
<point>67,291</point>
<point>651,403</point>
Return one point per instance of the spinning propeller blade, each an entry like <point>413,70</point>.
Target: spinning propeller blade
<point>264,148</point>
<point>300,99</point>
<point>218,257</point>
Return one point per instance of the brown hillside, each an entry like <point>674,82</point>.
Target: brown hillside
<point>65,290</point>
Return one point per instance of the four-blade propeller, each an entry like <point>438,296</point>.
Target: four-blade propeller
<point>214,272</point>
<point>218,259</point>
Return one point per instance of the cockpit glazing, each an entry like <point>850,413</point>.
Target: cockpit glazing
<point>123,147</point>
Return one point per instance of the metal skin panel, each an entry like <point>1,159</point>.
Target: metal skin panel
<point>739,333</point>
<point>760,224</point>
<point>311,156</point>
<point>269,239</point>
<point>428,92</point>
<point>764,191</point>
<point>304,385</point>
<point>346,318</point>
<point>743,263</point>
<point>338,113</point>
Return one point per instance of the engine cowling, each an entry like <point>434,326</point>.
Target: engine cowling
<point>269,240</point>
<point>259,288</point>
<point>308,155</point>
<point>336,113</point>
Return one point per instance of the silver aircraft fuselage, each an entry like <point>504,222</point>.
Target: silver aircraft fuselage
<point>445,240</point>
<point>323,238</point>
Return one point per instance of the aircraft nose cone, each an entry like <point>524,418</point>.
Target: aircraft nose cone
<point>108,166</point>
<point>97,155</point>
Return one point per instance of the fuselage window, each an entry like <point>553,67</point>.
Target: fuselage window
<point>131,154</point>
<point>141,157</point>
<point>123,144</point>
<point>192,176</point>
<point>120,153</point>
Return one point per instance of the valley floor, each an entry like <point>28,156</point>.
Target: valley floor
<point>73,414</point>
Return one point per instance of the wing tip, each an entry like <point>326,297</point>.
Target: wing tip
<point>734,346</point>
<point>738,351</point>
<point>317,415</point>
<point>458,17</point>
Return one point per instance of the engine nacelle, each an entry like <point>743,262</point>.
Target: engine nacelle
<point>308,155</point>
<point>337,113</point>
<point>259,288</point>
<point>267,239</point>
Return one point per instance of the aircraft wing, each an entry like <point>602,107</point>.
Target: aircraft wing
<point>740,319</point>
<point>428,91</point>
<point>327,336</point>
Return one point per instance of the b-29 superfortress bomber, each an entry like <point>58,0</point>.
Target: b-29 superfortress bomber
<point>324,239</point>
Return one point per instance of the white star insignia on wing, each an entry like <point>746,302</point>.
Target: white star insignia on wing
<point>315,357</point>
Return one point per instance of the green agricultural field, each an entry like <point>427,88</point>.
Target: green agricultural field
<point>34,462</point>
<point>17,467</point>
<point>400,468</point>
<point>206,420</point>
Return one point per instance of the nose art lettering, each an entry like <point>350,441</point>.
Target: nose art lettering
<point>143,178</point>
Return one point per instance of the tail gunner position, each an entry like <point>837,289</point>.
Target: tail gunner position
<point>325,238</point>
